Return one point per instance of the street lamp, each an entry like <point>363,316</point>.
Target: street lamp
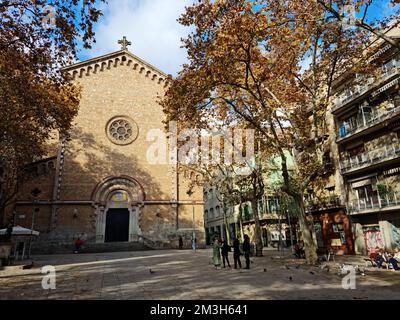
<point>190,194</point>
<point>35,193</point>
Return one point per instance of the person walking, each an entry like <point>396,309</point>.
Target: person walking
<point>226,248</point>
<point>236,253</point>
<point>194,244</point>
<point>180,243</point>
<point>217,254</point>
<point>246,250</point>
<point>78,245</point>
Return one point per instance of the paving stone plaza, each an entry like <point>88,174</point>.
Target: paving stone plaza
<point>185,275</point>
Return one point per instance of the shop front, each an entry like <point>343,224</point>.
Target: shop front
<point>333,232</point>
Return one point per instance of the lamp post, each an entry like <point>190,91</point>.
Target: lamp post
<point>35,193</point>
<point>190,194</point>
<point>290,228</point>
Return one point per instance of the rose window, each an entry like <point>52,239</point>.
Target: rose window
<point>122,130</point>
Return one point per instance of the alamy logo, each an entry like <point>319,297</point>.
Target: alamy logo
<point>49,19</point>
<point>350,276</point>
<point>49,278</point>
<point>349,16</point>
<point>191,147</point>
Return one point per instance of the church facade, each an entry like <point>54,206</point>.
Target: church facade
<point>99,185</point>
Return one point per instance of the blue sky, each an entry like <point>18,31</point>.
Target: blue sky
<point>152,28</point>
<point>150,25</point>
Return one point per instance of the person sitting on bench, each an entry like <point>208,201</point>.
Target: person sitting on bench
<point>395,260</point>
<point>381,258</point>
<point>299,251</point>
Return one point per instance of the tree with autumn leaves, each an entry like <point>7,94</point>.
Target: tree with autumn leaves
<point>37,102</point>
<point>271,65</point>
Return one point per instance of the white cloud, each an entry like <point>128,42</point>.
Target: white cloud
<point>150,25</point>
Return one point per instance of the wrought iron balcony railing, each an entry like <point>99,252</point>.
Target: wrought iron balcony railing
<point>376,202</point>
<point>367,121</point>
<point>360,90</point>
<point>369,158</point>
<point>324,203</point>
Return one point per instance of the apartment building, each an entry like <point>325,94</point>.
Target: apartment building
<point>366,115</point>
<point>277,216</point>
<point>214,219</point>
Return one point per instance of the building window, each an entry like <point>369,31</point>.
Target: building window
<point>210,194</point>
<point>272,205</point>
<point>218,211</point>
<point>247,213</point>
<point>206,214</point>
<point>211,213</point>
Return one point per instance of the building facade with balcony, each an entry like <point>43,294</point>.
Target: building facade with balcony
<point>214,216</point>
<point>277,216</point>
<point>366,113</point>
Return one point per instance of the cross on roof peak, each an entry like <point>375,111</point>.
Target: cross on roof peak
<point>124,43</point>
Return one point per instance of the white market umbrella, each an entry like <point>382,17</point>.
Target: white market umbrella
<point>20,231</point>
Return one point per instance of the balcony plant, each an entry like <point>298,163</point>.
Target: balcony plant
<point>383,105</point>
<point>383,190</point>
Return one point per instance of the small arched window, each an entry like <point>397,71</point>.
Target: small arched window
<point>211,213</point>
<point>218,211</point>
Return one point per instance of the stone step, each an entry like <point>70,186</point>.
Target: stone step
<point>114,247</point>
<point>88,247</point>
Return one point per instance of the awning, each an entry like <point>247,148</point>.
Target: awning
<point>391,172</point>
<point>20,231</point>
<point>386,87</point>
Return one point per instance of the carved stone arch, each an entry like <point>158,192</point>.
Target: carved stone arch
<point>109,185</point>
<point>142,69</point>
<point>154,77</point>
<point>102,202</point>
<point>103,66</point>
<point>74,74</point>
<point>116,62</point>
<point>135,66</point>
<point>129,63</point>
<point>148,73</point>
<point>97,68</point>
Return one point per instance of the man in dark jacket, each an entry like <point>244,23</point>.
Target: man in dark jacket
<point>246,250</point>
<point>236,253</point>
<point>226,248</point>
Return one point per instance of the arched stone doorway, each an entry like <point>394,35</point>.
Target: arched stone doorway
<point>118,202</point>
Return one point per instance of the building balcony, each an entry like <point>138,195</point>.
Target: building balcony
<point>271,215</point>
<point>375,203</point>
<point>326,203</point>
<point>361,91</point>
<point>367,124</point>
<point>371,158</point>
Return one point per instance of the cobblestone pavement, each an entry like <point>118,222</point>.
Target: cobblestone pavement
<point>187,275</point>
